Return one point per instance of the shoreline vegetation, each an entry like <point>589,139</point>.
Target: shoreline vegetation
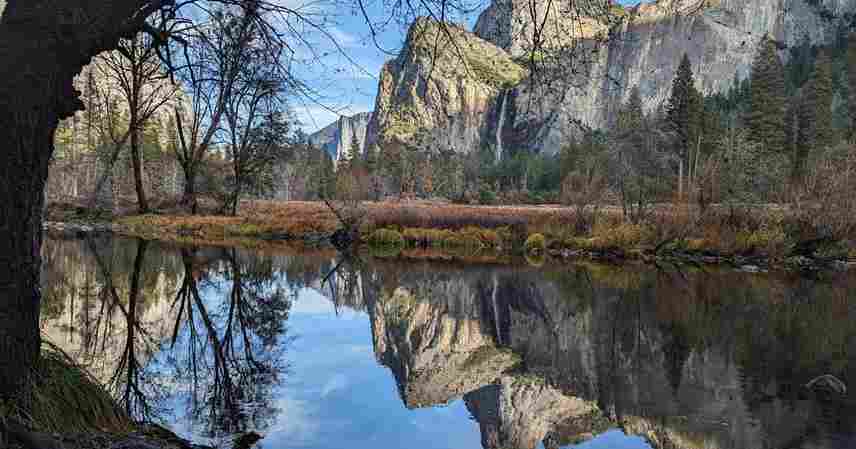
<point>41,419</point>
<point>750,237</point>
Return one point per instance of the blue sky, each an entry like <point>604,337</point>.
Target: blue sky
<point>344,82</point>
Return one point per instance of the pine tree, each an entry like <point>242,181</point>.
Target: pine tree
<point>683,113</point>
<point>851,83</point>
<point>372,164</point>
<point>354,154</point>
<point>766,115</point>
<point>631,114</point>
<point>326,175</point>
<point>815,131</point>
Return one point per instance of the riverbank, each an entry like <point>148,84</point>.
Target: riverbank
<point>68,408</point>
<point>753,238</point>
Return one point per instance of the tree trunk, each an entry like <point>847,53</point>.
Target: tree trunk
<point>43,45</point>
<point>29,102</point>
<point>22,175</point>
<point>142,202</point>
<point>189,198</point>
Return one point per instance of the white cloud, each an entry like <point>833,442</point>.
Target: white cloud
<point>343,38</point>
<point>337,382</point>
<point>295,422</point>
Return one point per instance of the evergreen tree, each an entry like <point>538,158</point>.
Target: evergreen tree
<point>815,131</point>
<point>372,165</point>
<point>631,114</point>
<point>370,159</point>
<point>851,83</point>
<point>766,116</point>
<point>326,175</point>
<point>800,64</point>
<point>683,114</point>
<point>354,155</point>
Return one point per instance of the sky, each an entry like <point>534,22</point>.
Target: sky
<point>344,81</point>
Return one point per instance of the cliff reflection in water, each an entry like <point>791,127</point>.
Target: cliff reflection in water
<point>539,356</point>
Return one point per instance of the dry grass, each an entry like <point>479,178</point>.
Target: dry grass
<point>766,230</point>
<point>273,219</point>
<point>65,398</point>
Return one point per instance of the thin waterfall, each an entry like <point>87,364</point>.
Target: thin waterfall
<point>499,124</point>
<point>496,309</point>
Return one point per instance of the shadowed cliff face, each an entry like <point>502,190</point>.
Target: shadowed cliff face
<point>664,358</point>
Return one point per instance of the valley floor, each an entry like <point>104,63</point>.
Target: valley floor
<point>762,236</point>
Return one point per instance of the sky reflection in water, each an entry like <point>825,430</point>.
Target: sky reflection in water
<point>442,356</point>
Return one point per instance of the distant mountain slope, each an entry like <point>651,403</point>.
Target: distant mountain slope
<point>492,103</point>
<point>336,137</point>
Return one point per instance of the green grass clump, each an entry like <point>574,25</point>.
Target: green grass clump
<point>488,238</point>
<point>620,236</point>
<point>66,399</point>
<point>464,240</point>
<point>769,240</point>
<point>386,237</point>
<point>535,244</point>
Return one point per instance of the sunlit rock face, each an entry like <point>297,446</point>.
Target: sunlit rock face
<point>431,334</point>
<point>442,92</point>
<point>557,359</point>
<point>721,38</point>
<point>337,138</point>
<point>612,52</point>
<point>520,411</point>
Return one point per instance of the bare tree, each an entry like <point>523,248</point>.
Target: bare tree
<point>135,69</point>
<point>213,61</point>
<point>43,45</point>
<point>638,161</point>
<point>255,122</point>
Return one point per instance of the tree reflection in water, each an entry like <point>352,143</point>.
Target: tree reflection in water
<point>216,341</point>
<point>550,357</point>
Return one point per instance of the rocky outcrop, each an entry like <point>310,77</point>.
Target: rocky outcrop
<point>592,350</point>
<point>336,138</point>
<point>592,56</point>
<point>521,411</point>
<point>443,90</point>
<point>721,38</point>
<point>430,335</point>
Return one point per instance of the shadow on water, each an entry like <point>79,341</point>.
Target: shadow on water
<point>547,357</point>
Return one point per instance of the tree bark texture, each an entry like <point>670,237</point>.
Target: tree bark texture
<point>44,44</point>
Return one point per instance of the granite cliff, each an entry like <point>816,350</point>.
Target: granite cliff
<point>444,89</point>
<point>608,51</point>
<point>336,137</point>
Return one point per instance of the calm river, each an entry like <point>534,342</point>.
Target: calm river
<point>386,353</point>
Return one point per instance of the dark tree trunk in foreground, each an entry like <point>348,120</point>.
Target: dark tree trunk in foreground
<point>43,45</point>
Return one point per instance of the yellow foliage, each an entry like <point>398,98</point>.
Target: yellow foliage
<point>536,243</point>
<point>386,237</point>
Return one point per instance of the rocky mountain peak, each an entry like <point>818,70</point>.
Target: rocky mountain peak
<point>442,90</point>
<point>337,138</point>
<point>623,47</point>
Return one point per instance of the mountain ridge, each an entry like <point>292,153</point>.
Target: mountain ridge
<point>643,47</point>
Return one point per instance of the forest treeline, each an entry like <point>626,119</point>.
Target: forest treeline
<point>783,135</point>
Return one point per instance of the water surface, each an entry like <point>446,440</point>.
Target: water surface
<point>386,353</point>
